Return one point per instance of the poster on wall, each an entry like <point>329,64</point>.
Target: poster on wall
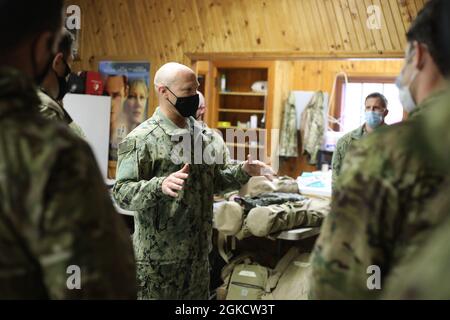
<point>128,85</point>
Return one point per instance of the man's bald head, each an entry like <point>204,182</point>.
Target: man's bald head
<point>169,73</point>
<point>174,81</point>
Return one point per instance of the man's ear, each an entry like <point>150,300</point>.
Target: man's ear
<point>386,112</point>
<point>57,60</point>
<point>161,89</point>
<point>419,57</point>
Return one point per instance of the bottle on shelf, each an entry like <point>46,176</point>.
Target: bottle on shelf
<point>223,83</point>
<point>263,121</point>
<point>254,121</point>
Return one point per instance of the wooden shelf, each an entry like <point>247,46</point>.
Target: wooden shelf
<point>236,93</point>
<point>243,111</point>
<point>242,145</point>
<point>237,103</point>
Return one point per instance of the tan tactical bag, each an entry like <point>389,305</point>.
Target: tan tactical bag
<point>246,280</point>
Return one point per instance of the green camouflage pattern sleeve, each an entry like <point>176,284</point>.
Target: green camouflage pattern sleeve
<point>131,190</point>
<point>342,147</point>
<point>50,109</point>
<point>336,161</point>
<point>89,235</point>
<point>421,275</point>
<point>77,130</point>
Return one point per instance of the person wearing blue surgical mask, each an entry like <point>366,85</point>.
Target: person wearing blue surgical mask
<point>375,112</point>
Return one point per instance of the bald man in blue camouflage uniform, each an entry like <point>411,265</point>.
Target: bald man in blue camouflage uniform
<point>172,190</point>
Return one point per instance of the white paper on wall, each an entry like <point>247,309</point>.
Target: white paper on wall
<point>92,114</point>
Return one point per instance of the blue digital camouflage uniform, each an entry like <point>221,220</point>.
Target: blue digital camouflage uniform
<point>378,207</point>
<point>55,211</point>
<point>172,236</point>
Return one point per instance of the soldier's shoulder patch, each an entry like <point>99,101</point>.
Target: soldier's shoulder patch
<point>126,146</point>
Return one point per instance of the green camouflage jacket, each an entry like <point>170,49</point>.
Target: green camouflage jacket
<point>52,110</point>
<point>423,273</point>
<point>55,212</point>
<point>312,127</point>
<point>170,229</point>
<point>342,147</point>
<point>377,209</point>
<point>289,132</point>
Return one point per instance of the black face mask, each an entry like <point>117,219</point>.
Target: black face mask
<point>186,106</point>
<point>62,82</point>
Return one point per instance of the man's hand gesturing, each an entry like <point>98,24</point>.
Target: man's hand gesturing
<point>175,182</point>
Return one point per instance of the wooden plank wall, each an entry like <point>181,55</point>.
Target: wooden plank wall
<point>177,30</point>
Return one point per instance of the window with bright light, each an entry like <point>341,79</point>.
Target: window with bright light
<point>353,103</point>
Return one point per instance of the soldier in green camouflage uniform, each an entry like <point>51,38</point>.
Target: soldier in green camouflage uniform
<point>387,182</point>
<point>54,86</point>
<point>173,192</point>
<point>376,104</point>
<point>56,217</point>
<point>423,274</point>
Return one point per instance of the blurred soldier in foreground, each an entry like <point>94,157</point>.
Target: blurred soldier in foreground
<point>60,237</point>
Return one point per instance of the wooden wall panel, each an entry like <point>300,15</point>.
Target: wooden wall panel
<point>282,30</point>
<point>181,30</point>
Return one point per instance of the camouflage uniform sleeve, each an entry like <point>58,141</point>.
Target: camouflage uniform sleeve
<point>77,130</point>
<point>80,237</point>
<point>228,176</point>
<point>48,109</point>
<point>50,113</point>
<point>357,233</point>
<point>131,190</point>
<point>336,162</point>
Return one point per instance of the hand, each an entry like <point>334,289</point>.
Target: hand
<point>258,168</point>
<point>175,182</point>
